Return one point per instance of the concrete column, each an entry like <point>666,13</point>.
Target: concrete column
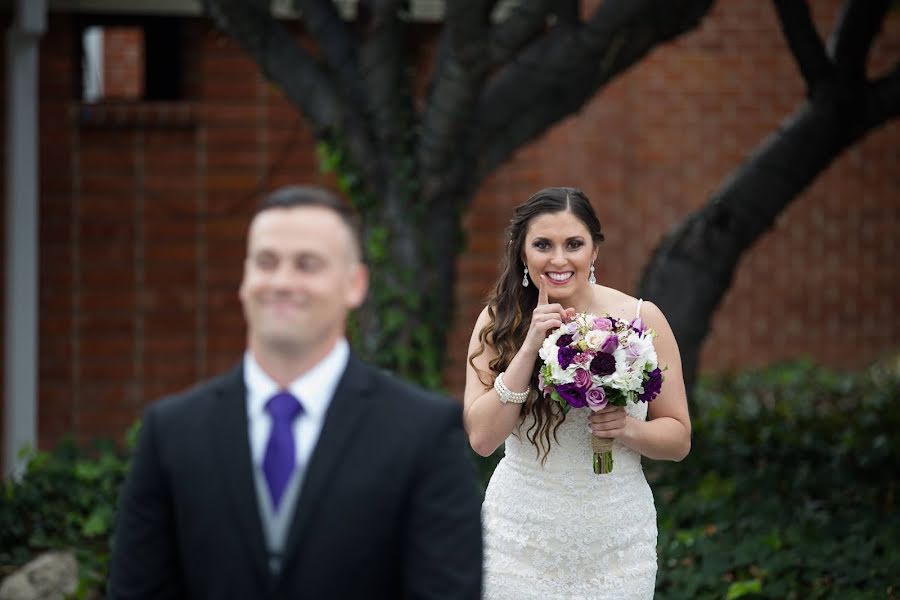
<point>21,323</point>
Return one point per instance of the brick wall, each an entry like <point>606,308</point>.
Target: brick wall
<point>123,74</point>
<point>143,213</point>
<point>656,143</point>
<point>144,209</point>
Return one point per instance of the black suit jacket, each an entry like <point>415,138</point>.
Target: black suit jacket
<point>389,506</point>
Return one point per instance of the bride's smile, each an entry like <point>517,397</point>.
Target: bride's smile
<point>559,278</point>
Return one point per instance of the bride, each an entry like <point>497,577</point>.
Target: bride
<point>554,529</point>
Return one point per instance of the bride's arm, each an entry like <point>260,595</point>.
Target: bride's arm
<point>487,420</point>
<point>666,435</point>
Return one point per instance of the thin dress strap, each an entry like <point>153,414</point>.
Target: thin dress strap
<point>637,313</point>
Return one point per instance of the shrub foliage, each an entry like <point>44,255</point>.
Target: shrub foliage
<point>65,500</point>
<point>789,490</point>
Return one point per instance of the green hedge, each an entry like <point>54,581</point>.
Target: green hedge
<point>789,492</point>
<point>65,500</point>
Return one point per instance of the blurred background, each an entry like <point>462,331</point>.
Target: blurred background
<point>743,157</point>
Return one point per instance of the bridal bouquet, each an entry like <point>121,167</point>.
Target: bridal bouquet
<point>595,361</point>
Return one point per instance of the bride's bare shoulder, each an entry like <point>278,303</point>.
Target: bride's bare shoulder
<point>615,295</point>
<point>616,302</point>
<point>485,318</point>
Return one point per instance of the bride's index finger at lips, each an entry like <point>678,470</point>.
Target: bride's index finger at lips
<point>543,296</point>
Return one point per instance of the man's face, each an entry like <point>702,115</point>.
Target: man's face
<point>302,276</point>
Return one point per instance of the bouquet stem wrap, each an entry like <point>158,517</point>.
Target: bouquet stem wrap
<point>603,457</point>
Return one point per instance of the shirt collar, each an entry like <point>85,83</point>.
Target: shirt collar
<point>314,389</point>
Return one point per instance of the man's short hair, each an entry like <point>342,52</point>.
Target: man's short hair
<point>296,196</point>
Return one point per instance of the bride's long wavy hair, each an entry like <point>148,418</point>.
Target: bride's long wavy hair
<point>510,305</point>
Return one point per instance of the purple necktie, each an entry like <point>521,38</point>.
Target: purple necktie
<point>280,458</point>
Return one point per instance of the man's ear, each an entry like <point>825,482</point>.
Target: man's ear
<point>359,285</point>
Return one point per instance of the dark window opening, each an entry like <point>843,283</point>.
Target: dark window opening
<point>130,59</point>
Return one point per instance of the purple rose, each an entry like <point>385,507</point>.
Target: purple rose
<point>602,324</point>
<point>610,345</point>
<point>564,340</point>
<point>637,324</point>
<point>652,386</point>
<point>596,399</point>
<point>583,379</point>
<point>633,351</point>
<point>565,356</point>
<point>603,364</point>
<point>572,395</point>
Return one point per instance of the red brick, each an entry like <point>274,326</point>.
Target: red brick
<point>113,369</point>
<point>107,300</point>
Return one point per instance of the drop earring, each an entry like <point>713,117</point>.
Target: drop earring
<point>592,279</point>
<point>525,276</point>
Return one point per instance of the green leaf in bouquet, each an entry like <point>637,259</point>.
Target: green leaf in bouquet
<point>556,398</point>
<point>547,372</point>
<point>616,397</point>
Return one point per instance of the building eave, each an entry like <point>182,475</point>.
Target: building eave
<point>420,10</point>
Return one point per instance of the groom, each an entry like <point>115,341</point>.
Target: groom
<point>303,472</point>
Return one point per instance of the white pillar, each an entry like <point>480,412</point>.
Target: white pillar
<point>21,257</point>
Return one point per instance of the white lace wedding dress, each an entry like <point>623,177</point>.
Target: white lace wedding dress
<point>559,530</point>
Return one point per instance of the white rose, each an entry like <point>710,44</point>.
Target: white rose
<point>548,351</point>
<point>561,375</point>
<point>594,339</point>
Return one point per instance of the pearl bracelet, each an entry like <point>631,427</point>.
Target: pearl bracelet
<point>507,395</point>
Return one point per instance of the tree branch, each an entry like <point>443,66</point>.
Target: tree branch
<point>567,12</point>
<point>467,23</point>
<point>554,76</point>
<point>282,60</point>
<point>804,41</point>
<point>524,22</point>
<point>460,73</point>
<point>856,29</point>
<point>883,98</point>
<point>692,268</point>
<point>384,70</point>
<point>690,271</point>
<point>335,41</point>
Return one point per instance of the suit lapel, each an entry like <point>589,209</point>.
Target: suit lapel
<point>345,414</point>
<point>233,445</point>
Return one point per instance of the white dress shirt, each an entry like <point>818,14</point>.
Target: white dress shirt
<point>314,390</point>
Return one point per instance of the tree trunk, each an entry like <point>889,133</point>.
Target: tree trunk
<point>692,268</point>
<point>411,173</point>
